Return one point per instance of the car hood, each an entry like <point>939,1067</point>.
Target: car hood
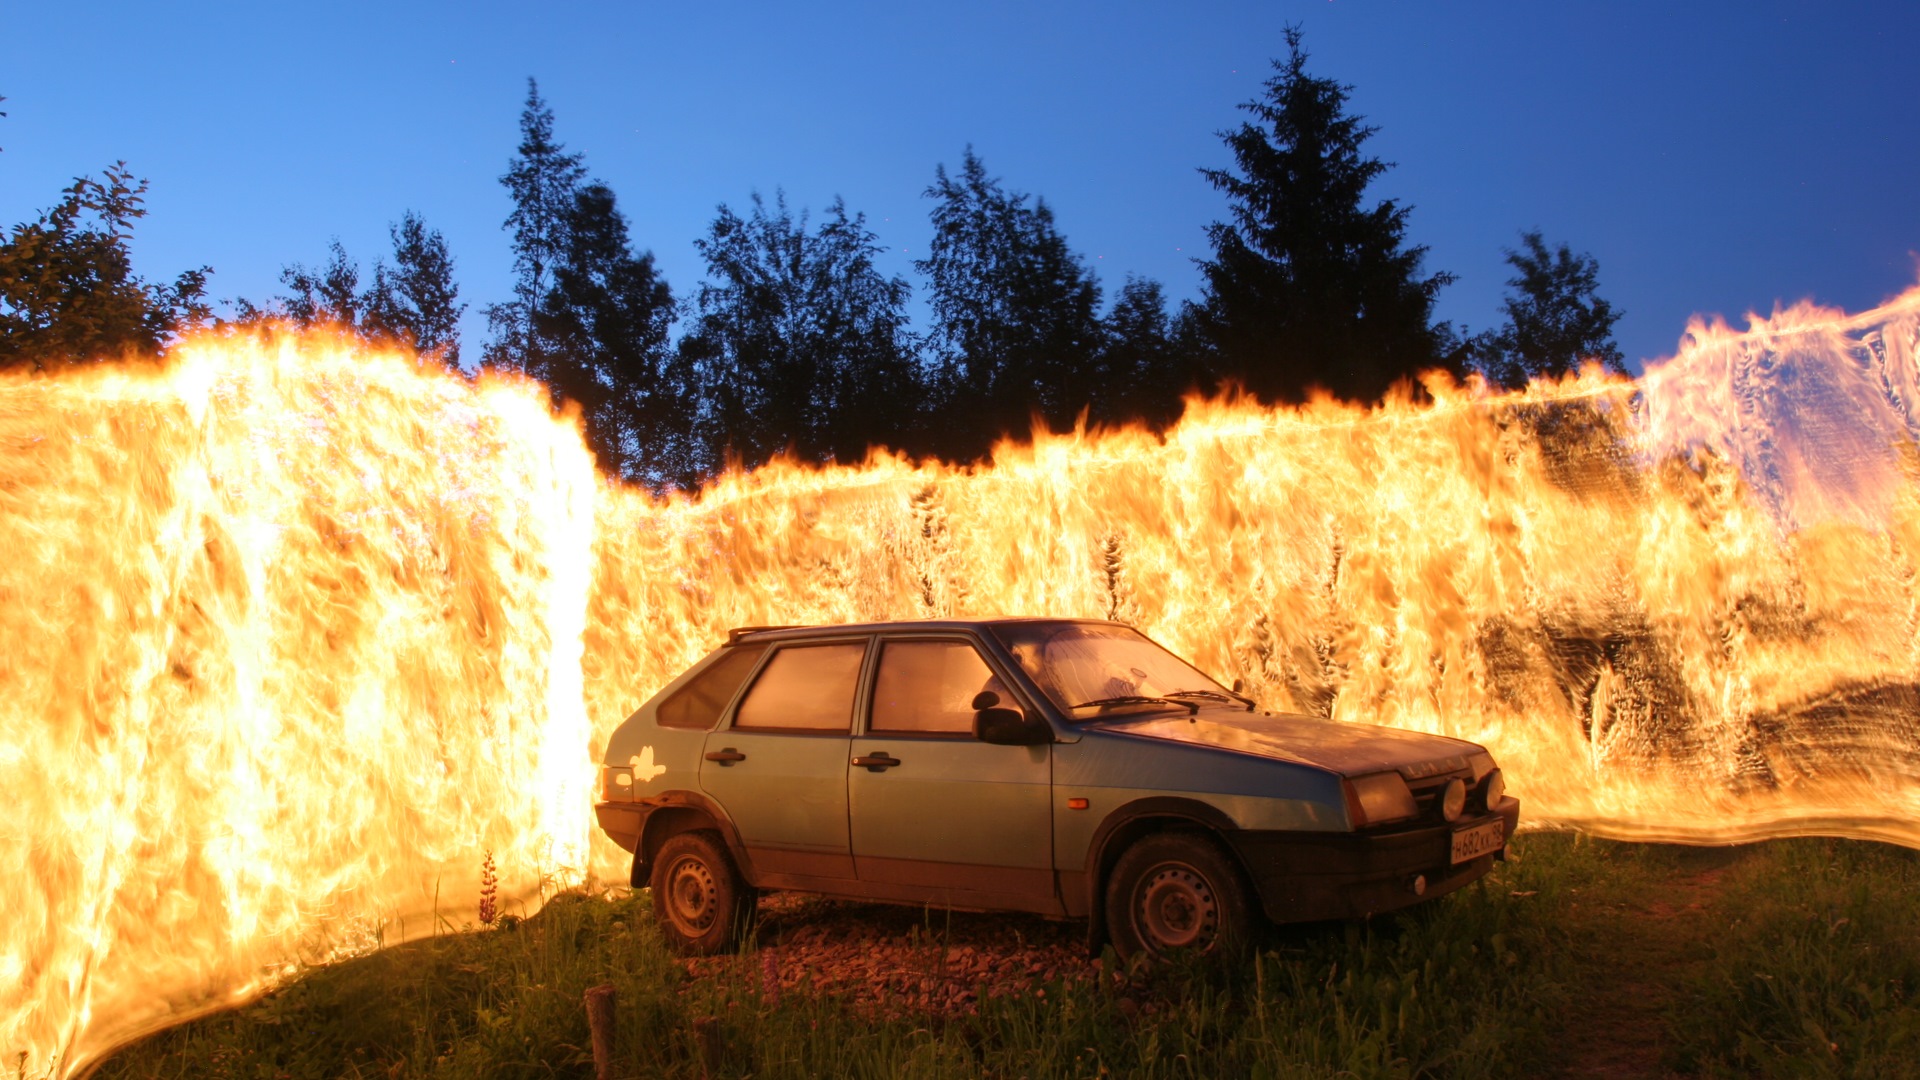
<point>1345,748</point>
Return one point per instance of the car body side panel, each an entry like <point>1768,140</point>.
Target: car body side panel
<point>662,759</point>
<point>663,813</point>
<point>953,813</point>
<point>787,798</point>
<point>1111,771</point>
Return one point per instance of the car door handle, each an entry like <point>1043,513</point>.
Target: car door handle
<point>879,762</point>
<point>726,757</point>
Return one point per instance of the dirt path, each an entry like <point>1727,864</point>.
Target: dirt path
<point>1642,959</point>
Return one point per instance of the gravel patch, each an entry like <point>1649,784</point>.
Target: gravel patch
<point>897,960</point>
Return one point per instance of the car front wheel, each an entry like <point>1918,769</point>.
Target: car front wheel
<point>1177,893</point>
<point>701,902</point>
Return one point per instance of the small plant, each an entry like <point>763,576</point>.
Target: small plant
<point>489,890</point>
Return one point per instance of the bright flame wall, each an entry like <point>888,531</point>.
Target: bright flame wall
<point>1683,608</point>
<point>297,632</point>
<point>291,637</point>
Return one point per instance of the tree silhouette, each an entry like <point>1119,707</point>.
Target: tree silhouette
<point>68,293</point>
<point>590,316</point>
<point>329,294</point>
<point>418,300</point>
<point>799,339</point>
<point>414,302</point>
<point>544,181</point>
<point>1016,327</point>
<point>1309,285</point>
<point>1556,319</point>
<point>600,334</point>
<point>1140,364</point>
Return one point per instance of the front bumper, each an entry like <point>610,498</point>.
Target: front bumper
<point>1305,877</point>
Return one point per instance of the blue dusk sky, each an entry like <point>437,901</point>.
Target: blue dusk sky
<point>1714,157</point>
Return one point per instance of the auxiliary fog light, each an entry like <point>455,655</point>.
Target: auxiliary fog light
<point>1418,886</point>
<point>1453,802</point>
<point>1496,788</point>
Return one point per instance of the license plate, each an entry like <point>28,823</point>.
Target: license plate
<point>1481,839</point>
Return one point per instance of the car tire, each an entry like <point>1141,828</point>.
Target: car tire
<point>1177,893</point>
<point>702,904</point>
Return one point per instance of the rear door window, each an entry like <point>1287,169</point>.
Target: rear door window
<point>805,688</point>
<point>700,703</point>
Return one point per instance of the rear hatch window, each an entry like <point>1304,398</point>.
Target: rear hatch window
<point>700,703</point>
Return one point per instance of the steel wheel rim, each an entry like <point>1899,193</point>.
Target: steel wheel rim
<point>691,899</point>
<point>1176,909</point>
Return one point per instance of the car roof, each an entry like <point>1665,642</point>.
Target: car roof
<point>782,633</point>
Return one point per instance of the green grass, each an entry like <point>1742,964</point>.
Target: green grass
<point>1814,971</point>
<point>1483,983</point>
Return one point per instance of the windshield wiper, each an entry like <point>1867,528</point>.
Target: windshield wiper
<point>1218,695</point>
<point>1139,699</point>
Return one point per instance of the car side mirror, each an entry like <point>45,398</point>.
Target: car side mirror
<point>1008,727</point>
<point>985,699</point>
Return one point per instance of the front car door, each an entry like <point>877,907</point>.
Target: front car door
<point>778,765</point>
<point>937,816</point>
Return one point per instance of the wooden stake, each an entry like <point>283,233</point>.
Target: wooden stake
<point>706,1036</point>
<point>600,1026</point>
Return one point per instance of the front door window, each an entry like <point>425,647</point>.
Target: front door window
<point>929,687</point>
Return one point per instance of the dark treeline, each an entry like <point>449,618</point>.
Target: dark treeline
<point>796,342</point>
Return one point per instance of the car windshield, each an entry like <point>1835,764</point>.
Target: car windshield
<point>1090,668</point>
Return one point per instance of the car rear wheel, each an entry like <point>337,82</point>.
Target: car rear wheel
<point>701,902</point>
<point>1177,894</point>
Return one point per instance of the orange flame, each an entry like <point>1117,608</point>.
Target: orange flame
<point>299,630</point>
<point>292,632</point>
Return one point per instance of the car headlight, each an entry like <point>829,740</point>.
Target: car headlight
<point>1379,798</point>
<point>1496,788</point>
<point>1453,801</point>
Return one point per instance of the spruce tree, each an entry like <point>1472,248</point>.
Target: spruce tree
<point>1310,284</point>
<point>601,341</point>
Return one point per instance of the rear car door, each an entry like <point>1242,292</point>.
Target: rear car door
<point>937,815</point>
<point>778,765</point>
